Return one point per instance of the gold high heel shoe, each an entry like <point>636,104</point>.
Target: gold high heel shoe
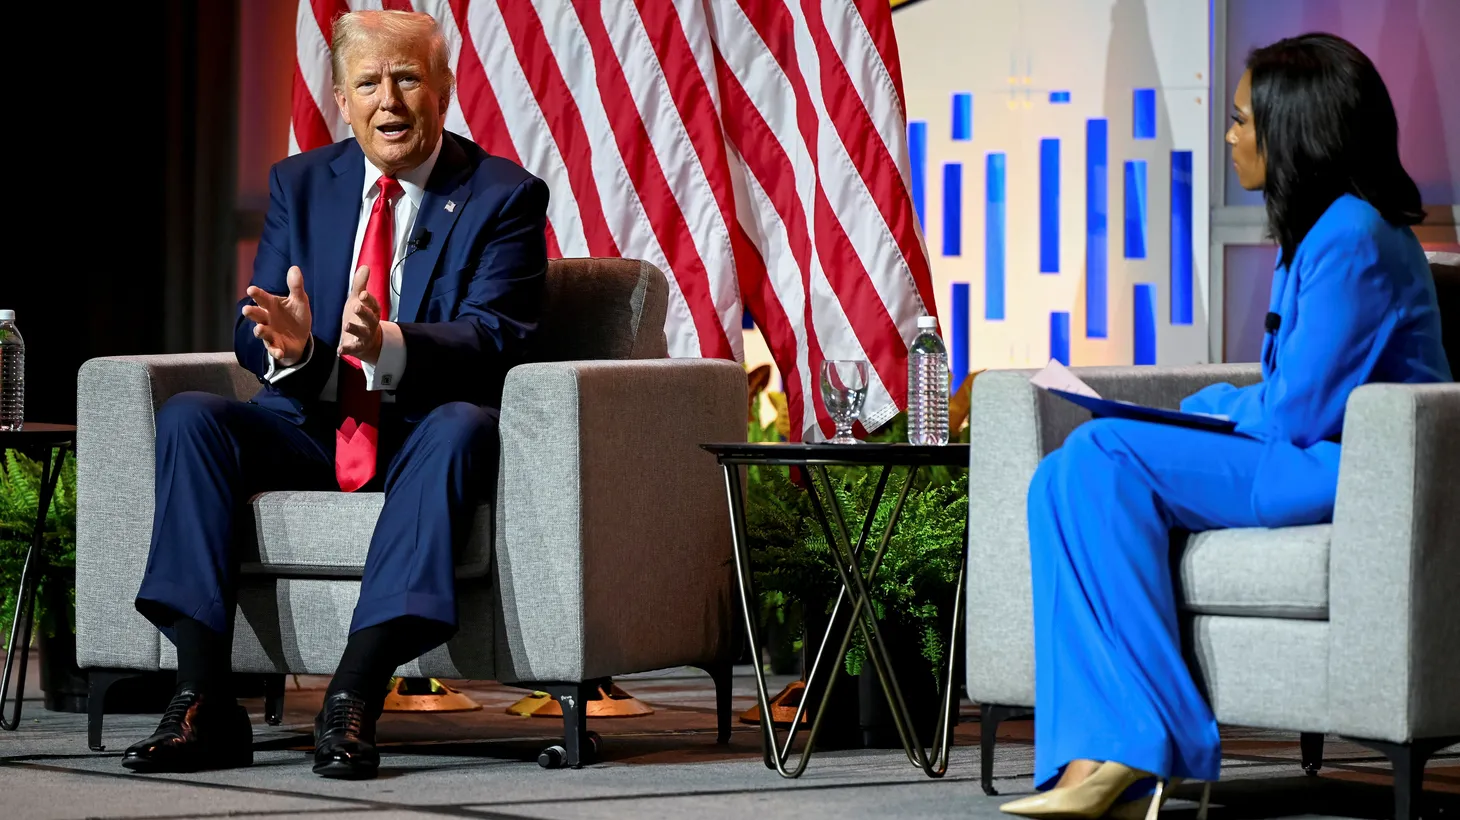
<point>1089,799</point>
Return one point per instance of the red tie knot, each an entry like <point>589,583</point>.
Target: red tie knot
<point>388,187</point>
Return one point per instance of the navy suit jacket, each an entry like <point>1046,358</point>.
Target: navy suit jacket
<point>471,292</point>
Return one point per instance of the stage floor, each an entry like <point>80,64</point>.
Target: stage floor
<point>667,765</point>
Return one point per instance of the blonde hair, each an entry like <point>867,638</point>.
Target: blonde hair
<point>356,27</point>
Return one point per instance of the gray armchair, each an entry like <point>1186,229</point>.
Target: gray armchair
<point>605,552</point>
<point>1347,628</point>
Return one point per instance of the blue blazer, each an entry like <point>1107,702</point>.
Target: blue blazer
<point>1356,305</point>
<point>470,295</point>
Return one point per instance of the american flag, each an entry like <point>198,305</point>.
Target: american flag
<point>754,150</point>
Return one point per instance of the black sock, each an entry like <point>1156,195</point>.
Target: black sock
<point>373,654</point>
<point>204,658</point>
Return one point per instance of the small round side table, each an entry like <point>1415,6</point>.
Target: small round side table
<point>46,443</point>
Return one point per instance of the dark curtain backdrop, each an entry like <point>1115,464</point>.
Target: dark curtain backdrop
<point>129,245</point>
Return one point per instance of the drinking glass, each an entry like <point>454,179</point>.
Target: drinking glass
<point>843,389</point>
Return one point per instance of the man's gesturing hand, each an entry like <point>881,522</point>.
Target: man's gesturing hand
<point>282,323</point>
<point>360,331</point>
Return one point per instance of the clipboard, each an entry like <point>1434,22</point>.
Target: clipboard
<point>1116,409</point>
<point>1057,379</point>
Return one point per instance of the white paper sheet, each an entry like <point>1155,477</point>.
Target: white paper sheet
<point>1056,376</point>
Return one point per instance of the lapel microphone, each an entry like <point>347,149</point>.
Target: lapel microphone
<point>415,243</point>
<point>1273,322</point>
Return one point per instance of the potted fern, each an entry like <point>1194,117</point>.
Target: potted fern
<point>54,627</point>
<point>914,587</point>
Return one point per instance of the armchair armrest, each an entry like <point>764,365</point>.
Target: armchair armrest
<point>116,400</point>
<point>613,531</point>
<point>1394,566</point>
<point>1013,425</point>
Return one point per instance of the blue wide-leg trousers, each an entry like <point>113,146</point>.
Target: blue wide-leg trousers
<point>1110,679</point>
<point>213,454</point>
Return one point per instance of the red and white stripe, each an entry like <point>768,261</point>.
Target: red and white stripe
<point>754,149</point>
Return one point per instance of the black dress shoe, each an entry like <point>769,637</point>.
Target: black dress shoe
<point>197,732</point>
<point>344,738</point>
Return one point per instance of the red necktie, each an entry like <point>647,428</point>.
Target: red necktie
<point>357,437</point>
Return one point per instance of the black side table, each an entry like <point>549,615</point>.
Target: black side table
<point>46,443</point>
<point>816,458</point>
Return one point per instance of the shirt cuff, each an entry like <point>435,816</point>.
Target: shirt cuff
<point>386,372</point>
<point>276,372</point>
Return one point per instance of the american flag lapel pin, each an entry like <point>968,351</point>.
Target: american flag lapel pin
<point>450,207</point>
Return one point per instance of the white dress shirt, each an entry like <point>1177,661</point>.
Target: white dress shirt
<point>386,373</point>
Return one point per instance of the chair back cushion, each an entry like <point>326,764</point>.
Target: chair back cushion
<point>602,309</point>
<point>1446,269</point>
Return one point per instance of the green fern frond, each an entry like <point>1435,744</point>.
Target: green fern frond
<point>20,486</point>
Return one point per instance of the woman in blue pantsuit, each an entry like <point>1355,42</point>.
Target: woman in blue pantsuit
<point>1352,302</point>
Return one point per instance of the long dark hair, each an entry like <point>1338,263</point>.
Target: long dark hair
<point>1326,127</point>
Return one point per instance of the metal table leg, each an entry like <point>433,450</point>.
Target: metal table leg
<point>850,575</point>
<point>848,570</point>
<point>20,627</point>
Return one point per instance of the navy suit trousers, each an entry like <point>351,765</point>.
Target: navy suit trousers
<point>214,454</point>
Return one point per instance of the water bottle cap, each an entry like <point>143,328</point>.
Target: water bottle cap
<point>927,322</point>
<point>7,315</point>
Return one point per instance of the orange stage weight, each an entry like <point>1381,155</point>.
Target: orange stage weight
<point>426,695</point>
<point>612,702</point>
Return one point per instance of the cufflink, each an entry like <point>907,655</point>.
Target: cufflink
<point>385,380</point>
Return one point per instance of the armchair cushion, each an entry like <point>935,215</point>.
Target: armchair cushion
<point>1280,573</point>
<point>325,534</point>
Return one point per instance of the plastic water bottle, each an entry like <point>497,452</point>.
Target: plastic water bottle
<point>927,386</point>
<point>12,373</point>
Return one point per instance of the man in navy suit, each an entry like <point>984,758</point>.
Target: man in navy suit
<point>399,276</point>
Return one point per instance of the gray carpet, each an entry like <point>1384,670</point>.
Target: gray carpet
<point>479,764</point>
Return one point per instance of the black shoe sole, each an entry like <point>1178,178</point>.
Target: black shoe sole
<point>337,770</point>
<point>143,765</point>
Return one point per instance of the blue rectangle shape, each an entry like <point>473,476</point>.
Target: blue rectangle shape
<point>1059,96</point>
<point>1135,209</point>
<point>1059,337</point>
<point>1049,206</point>
<point>993,237</point>
<point>1097,227</point>
<point>963,116</point>
<point>1182,251</point>
<point>958,355</point>
<point>952,208</point>
<point>1145,324</point>
<point>1143,114</point>
<point>917,155</point>
<point>746,322</point>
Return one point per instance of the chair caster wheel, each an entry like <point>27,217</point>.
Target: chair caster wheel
<point>553,757</point>
<point>556,757</point>
<point>1312,769</point>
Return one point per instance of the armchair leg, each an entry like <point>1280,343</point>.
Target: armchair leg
<point>990,716</point>
<point>579,745</point>
<point>724,715</point>
<point>1409,770</point>
<point>98,683</point>
<point>1311,744</point>
<point>273,699</point>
